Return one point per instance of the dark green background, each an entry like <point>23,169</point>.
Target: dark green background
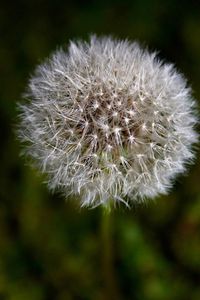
<point>49,248</point>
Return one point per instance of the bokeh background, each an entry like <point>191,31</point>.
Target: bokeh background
<point>50,248</point>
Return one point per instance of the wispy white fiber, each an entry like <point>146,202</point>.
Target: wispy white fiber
<point>107,120</point>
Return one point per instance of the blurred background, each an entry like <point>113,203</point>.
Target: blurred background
<point>50,248</point>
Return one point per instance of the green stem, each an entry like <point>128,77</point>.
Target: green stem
<point>110,283</point>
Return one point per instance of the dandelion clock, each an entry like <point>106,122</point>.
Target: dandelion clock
<point>108,121</point>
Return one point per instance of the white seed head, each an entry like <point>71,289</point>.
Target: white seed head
<point>108,121</point>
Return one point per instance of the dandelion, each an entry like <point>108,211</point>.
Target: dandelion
<point>107,120</point>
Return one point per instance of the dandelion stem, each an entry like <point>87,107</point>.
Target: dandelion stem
<point>111,290</point>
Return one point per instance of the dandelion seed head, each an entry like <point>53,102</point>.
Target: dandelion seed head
<point>107,120</point>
